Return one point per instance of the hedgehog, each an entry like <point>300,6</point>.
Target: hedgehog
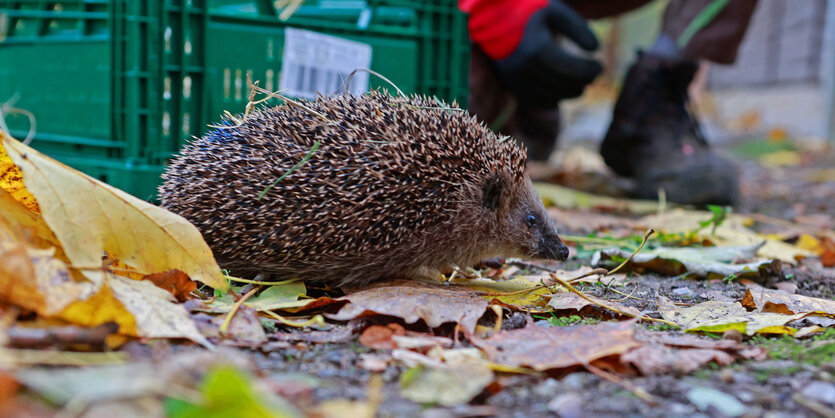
<point>372,188</point>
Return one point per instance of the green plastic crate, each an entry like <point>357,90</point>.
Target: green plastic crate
<point>117,86</point>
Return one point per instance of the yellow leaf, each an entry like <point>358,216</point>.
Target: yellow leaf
<point>810,243</point>
<point>719,316</point>
<point>89,218</point>
<point>732,232</point>
<point>11,180</point>
<point>100,308</point>
<point>139,307</point>
<point>508,292</point>
<point>19,223</point>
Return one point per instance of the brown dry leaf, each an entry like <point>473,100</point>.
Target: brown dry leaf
<point>90,217</point>
<point>379,337</point>
<point>719,316</point>
<point>778,301</point>
<point>174,281</point>
<point>34,279</point>
<point>558,347</point>
<point>412,301</point>
<point>660,359</point>
<point>683,353</point>
<point>572,301</point>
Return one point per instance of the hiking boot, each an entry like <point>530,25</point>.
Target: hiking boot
<point>655,139</point>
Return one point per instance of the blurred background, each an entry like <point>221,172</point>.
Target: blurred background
<point>115,87</point>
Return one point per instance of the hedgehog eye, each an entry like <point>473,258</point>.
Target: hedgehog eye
<point>530,220</point>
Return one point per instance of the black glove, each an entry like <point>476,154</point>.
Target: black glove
<point>538,71</point>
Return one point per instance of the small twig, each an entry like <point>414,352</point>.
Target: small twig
<point>8,108</point>
<point>319,320</point>
<point>261,282</point>
<point>601,271</point>
<point>643,242</point>
<point>639,392</point>
<point>598,303</point>
<point>625,296</point>
<point>366,70</point>
<point>225,326</point>
<point>815,406</point>
<point>292,169</point>
<point>499,313</point>
<point>60,358</point>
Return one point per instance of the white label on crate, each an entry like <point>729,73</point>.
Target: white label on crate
<point>315,63</point>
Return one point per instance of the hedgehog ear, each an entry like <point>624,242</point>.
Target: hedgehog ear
<point>492,194</point>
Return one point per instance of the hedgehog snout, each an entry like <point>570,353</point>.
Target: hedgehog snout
<point>550,246</point>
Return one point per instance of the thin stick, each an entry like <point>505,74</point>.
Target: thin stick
<point>611,377</point>
<point>292,169</point>
<point>618,311</point>
<point>366,70</point>
<point>235,307</point>
<point>60,358</point>
<point>499,313</point>
<point>643,242</point>
<point>317,319</point>
<point>261,282</point>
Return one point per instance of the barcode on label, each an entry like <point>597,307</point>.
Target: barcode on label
<point>315,63</point>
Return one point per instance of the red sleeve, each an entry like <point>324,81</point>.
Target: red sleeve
<point>497,26</point>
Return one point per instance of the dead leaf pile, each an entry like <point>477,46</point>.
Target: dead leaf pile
<point>55,226</point>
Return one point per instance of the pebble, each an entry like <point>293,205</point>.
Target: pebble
<point>567,405</point>
<point>820,391</point>
<point>683,291</point>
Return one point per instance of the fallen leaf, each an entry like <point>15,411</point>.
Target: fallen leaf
<point>379,337</point>
<point>90,218</point>
<point>718,316</point>
<point>732,232</point>
<point>228,392</point>
<point>660,359</point>
<point>449,385</point>
<point>511,293</point>
<point>778,301</point>
<point>699,261</point>
<point>174,281</point>
<point>565,197</point>
<point>34,279</point>
<point>11,180</point>
<point>19,224</point>
<point>153,310</point>
<point>283,296</point>
<point>92,383</point>
<point>558,347</point>
<point>340,408</point>
<point>572,301</point>
<point>413,301</point>
<point>664,352</point>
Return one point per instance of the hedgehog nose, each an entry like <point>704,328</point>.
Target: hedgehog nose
<point>552,248</point>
